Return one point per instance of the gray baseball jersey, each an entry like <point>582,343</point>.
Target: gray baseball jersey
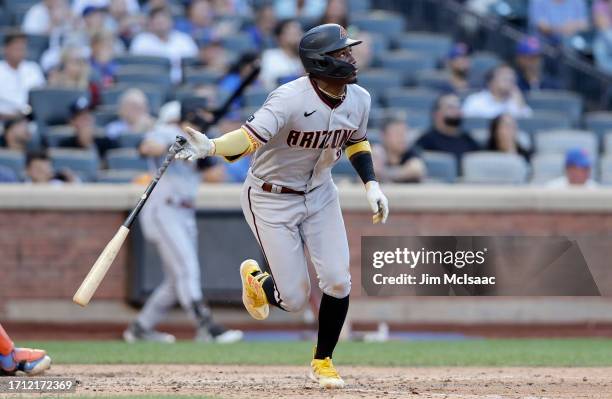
<point>302,136</point>
<point>168,220</point>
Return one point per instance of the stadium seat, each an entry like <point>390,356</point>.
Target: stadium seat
<point>161,82</point>
<point>565,102</point>
<point>406,64</point>
<point>56,134</point>
<point>255,97</point>
<point>110,96</point>
<point>480,135</point>
<point>238,43</point>
<point>420,100</point>
<point>126,158</point>
<point>201,76</point>
<point>343,170</point>
<point>605,170</point>
<point>432,44</point>
<point>379,80</point>
<point>359,5</point>
<point>473,123</point>
<point>418,120</point>
<point>380,44</point>
<point>599,123</point>
<point>559,141</point>
<point>13,160</point>
<point>383,22</point>
<point>83,162</point>
<point>440,166</point>
<point>147,69</point>
<point>486,167</point>
<point>544,121</point>
<point>143,60</point>
<point>118,176</point>
<point>105,115</point>
<point>482,62</point>
<point>547,166</point>
<point>52,105</point>
<point>432,79</point>
<point>130,140</point>
<point>37,44</point>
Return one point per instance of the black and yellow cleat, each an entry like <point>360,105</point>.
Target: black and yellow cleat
<point>253,294</point>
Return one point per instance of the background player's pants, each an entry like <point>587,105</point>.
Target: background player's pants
<point>284,224</point>
<point>6,345</point>
<point>173,231</point>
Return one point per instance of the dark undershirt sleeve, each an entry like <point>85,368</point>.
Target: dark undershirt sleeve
<point>362,162</point>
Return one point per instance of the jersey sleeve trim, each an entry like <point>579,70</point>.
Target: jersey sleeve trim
<point>253,133</point>
<point>362,146</point>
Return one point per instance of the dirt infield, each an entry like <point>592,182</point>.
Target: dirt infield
<point>254,382</point>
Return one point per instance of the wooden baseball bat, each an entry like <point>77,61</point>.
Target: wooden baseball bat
<point>99,269</point>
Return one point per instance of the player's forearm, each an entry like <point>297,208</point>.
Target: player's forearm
<point>233,145</point>
<point>360,155</point>
<point>413,170</point>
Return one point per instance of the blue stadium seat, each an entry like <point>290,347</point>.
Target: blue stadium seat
<point>105,115</point>
<point>480,135</point>
<point>255,97</point>
<point>605,170</point>
<point>482,62</point>
<point>420,100</point>
<point>473,123</point>
<point>598,122</point>
<point>565,102</point>
<point>13,160</point>
<point>126,69</point>
<point>544,121</point>
<point>440,166</point>
<point>432,79</point>
<point>432,44</point>
<point>110,96</point>
<point>418,119</point>
<point>126,158</point>
<point>485,167</point>
<point>56,134</point>
<point>130,140</point>
<point>343,170</point>
<point>406,64</point>
<point>386,23</point>
<point>359,5</point>
<point>201,76</point>
<point>380,44</point>
<point>559,141</point>
<point>547,166</point>
<point>144,61</point>
<point>52,105</point>
<point>117,176</point>
<point>37,44</point>
<point>85,163</point>
<point>238,43</point>
<point>377,81</point>
<point>161,82</point>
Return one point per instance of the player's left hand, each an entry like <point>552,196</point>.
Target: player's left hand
<point>199,146</point>
<point>378,202</point>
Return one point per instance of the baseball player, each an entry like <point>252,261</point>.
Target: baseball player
<point>25,360</point>
<point>168,220</point>
<point>289,198</point>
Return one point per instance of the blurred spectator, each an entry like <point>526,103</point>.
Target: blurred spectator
<point>47,16</point>
<point>335,13</point>
<point>237,73</point>
<point>79,5</point>
<point>504,136</point>
<point>602,46</point>
<point>557,20</point>
<point>458,64</point>
<point>232,7</point>
<point>40,171</point>
<point>282,64</point>
<point>577,171</point>
<point>124,22</point>
<point>303,9</point>
<point>16,134</point>
<point>529,66</point>
<point>73,71</point>
<point>162,41</point>
<point>262,32</point>
<point>213,56</point>
<point>134,116</point>
<point>103,66</point>
<point>86,135</point>
<point>199,24</point>
<point>398,162</point>
<point>363,53</point>
<point>501,96</point>
<point>18,76</point>
<point>446,134</point>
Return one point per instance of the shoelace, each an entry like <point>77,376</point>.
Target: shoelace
<point>325,368</point>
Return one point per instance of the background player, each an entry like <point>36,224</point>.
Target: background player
<point>168,220</point>
<point>289,198</point>
<point>28,361</point>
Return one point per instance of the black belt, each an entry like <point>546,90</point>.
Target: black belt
<point>273,188</point>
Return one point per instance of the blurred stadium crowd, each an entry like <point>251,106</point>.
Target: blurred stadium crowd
<point>84,80</point>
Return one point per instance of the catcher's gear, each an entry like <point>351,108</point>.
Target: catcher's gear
<point>378,202</point>
<point>25,360</point>
<point>318,43</point>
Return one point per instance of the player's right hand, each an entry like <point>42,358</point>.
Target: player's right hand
<point>199,146</point>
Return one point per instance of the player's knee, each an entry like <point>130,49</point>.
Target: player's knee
<point>338,287</point>
<point>295,302</point>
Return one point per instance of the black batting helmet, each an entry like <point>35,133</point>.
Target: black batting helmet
<point>315,46</point>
